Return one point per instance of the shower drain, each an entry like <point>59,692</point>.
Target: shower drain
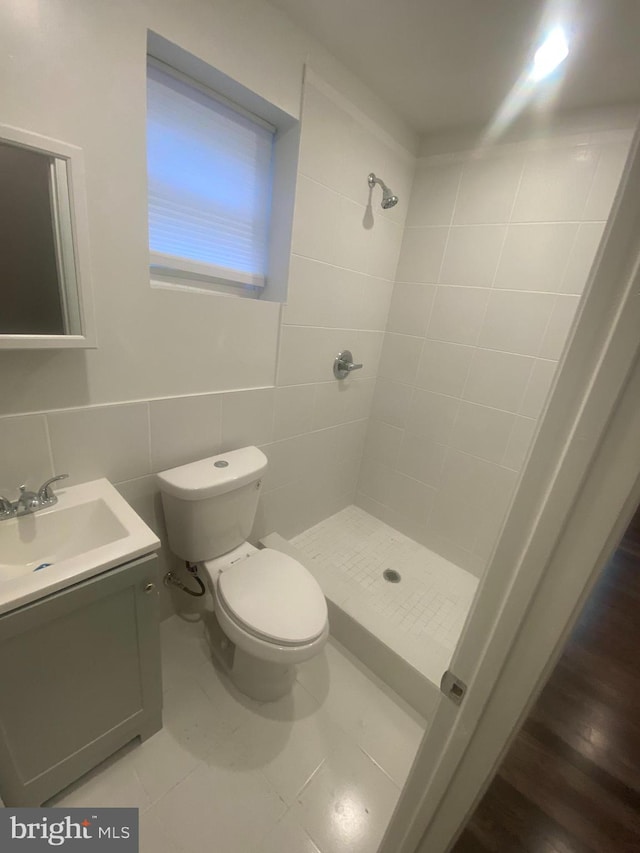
<point>392,576</point>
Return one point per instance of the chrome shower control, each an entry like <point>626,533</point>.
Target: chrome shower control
<point>343,364</point>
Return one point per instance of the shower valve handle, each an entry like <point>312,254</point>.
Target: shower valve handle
<point>343,364</point>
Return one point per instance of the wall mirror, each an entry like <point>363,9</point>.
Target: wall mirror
<point>45,289</point>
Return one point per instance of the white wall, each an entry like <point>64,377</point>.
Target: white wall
<point>497,249</point>
<point>178,376</point>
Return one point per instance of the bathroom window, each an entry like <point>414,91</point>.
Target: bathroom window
<point>210,184</point>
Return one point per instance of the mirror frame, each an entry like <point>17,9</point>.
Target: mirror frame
<point>74,160</point>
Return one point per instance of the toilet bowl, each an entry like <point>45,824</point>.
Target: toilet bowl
<point>269,612</point>
<point>273,612</point>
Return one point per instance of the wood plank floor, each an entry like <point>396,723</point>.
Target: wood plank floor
<point>570,782</point>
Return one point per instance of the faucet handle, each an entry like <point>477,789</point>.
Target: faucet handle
<point>6,507</point>
<point>45,495</point>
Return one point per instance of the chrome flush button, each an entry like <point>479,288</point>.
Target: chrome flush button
<point>221,463</point>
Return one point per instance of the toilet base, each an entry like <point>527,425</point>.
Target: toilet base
<point>258,679</point>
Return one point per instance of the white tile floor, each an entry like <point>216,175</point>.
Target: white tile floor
<point>420,618</point>
<point>317,772</point>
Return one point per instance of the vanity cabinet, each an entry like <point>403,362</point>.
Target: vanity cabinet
<point>79,678</point>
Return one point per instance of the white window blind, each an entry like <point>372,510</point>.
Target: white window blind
<point>209,173</point>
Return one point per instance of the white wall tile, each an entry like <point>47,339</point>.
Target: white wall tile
<point>410,498</point>
<point>444,367</point>
<point>322,295</point>
<point>557,332</point>
<point>611,162</point>
<point>491,518</point>
<point>582,256</point>
<point>316,221</point>
<point>487,189</point>
<point>385,245</point>
<point>555,184</point>
<point>434,192</point>
<point>400,357</point>
<point>452,519</point>
<point>538,388</point>
<point>325,295</point>
<point>391,401</point>
<point>482,431</point>
<point>307,354</point>
<point>432,416</point>
<point>285,511</point>
<point>421,458</point>
<point>479,481</point>
<point>331,403</point>
<point>293,410</point>
<point>105,441</point>
<point>498,379</point>
<point>458,313</point>
<point>519,443</point>
<point>471,255</point>
<point>247,418</point>
<point>337,445</point>
<point>383,442</point>
<point>376,298</point>
<point>366,347</point>
<point>374,480</point>
<point>288,461</point>
<point>366,240</point>
<point>184,429</point>
<point>410,308</point>
<point>421,254</point>
<point>326,135</point>
<point>24,454</point>
<point>535,256</point>
<point>516,321</point>
<point>359,398</point>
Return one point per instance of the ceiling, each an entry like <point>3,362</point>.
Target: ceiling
<point>450,63</point>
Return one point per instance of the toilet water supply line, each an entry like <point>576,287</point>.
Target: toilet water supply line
<point>171,579</point>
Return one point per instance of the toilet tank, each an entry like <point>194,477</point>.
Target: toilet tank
<point>210,505</point>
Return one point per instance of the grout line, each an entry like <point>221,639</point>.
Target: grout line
<point>49,444</point>
<point>516,223</point>
<point>547,326</point>
<point>149,437</point>
<point>338,267</point>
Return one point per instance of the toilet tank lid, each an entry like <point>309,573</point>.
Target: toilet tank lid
<point>214,475</point>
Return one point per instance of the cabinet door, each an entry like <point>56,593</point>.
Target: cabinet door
<point>80,677</point>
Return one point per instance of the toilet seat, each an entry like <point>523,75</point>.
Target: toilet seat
<point>274,598</point>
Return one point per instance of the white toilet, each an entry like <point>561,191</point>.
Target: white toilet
<point>270,612</point>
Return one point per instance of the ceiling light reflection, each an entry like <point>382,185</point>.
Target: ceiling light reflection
<point>553,50</point>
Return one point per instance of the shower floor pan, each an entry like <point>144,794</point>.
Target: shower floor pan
<point>395,604</point>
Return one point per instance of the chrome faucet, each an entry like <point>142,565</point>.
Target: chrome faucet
<point>343,364</point>
<point>29,501</point>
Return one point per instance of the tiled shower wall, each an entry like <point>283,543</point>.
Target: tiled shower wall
<point>496,252</point>
<point>344,256</point>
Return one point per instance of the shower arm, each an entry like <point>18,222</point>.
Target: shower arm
<point>372,180</point>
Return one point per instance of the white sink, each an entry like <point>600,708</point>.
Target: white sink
<point>89,530</point>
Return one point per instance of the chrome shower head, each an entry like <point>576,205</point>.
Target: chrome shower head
<point>388,198</point>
